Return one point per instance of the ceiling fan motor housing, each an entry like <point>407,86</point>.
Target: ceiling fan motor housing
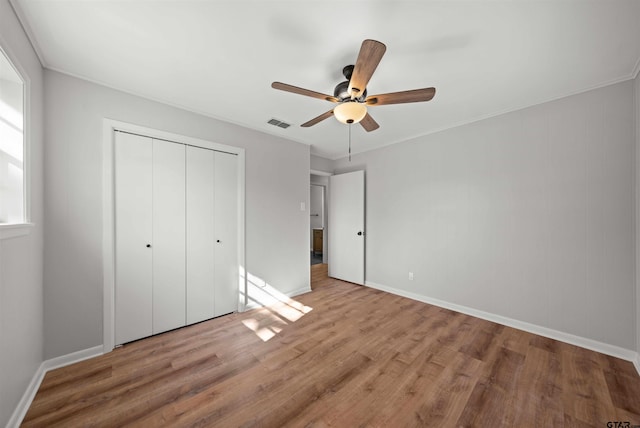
<point>341,90</point>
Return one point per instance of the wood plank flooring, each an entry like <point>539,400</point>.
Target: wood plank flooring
<point>344,356</point>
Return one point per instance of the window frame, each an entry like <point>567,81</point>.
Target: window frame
<point>12,230</point>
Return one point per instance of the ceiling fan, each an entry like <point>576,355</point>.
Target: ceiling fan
<point>351,95</point>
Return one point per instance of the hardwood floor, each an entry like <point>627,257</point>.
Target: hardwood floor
<point>345,356</point>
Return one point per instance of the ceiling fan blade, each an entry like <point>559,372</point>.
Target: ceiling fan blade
<point>369,124</point>
<point>320,118</point>
<point>413,96</point>
<point>371,53</point>
<point>301,91</point>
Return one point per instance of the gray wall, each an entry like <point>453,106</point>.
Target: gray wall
<point>321,164</point>
<point>277,181</point>
<point>528,215</point>
<point>21,257</point>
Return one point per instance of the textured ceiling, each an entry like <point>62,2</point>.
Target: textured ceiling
<point>219,58</point>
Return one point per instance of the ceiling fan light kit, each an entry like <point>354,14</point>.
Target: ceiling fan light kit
<point>351,95</point>
<point>350,112</point>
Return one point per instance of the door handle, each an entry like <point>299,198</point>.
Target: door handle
<point>148,245</point>
<point>360,233</point>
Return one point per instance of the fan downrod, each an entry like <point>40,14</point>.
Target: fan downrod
<point>347,71</point>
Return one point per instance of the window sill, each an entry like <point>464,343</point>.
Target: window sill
<point>14,230</point>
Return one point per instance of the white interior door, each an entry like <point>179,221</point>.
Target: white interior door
<point>169,306</point>
<point>200,234</point>
<point>226,233</point>
<point>346,227</point>
<point>133,220</point>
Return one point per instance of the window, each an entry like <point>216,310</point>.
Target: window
<point>12,145</point>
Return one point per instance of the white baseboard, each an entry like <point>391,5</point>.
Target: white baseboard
<point>299,291</point>
<point>23,405</point>
<point>54,363</point>
<point>74,357</point>
<point>254,304</point>
<point>582,342</point>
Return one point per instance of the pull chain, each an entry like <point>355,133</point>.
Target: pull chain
<point>349,142</point>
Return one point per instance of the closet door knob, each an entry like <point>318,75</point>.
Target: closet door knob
<point>148,245</point>
<point>218,241</point>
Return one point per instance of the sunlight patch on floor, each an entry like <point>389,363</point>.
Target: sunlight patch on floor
<point>276,309</point>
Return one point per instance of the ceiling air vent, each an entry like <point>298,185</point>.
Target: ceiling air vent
<point>279,123</point>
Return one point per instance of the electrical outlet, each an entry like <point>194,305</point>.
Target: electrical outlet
<point>410,276</point>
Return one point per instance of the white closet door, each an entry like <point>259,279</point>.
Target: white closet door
<point>226,233</point>
<point>133,219</point>
<point>200,234</point>
<point>168,236</point>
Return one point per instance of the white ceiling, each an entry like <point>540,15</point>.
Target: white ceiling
<point>219,58</point>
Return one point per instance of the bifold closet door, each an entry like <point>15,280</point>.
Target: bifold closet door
<point>169,306</point>
<point>212,240</point>
<point>150,236</point>
<point>176,235</point>
<point>200,234</point>
<point>133,228</point>
<point>226,233</point>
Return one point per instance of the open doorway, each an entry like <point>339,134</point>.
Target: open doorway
<point>316,197</point>
<point>318,220</point>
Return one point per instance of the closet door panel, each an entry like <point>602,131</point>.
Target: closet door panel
<point>168,236</point>
<point>200,234</point>
<point>133,229</point>
<point>226,226</point>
